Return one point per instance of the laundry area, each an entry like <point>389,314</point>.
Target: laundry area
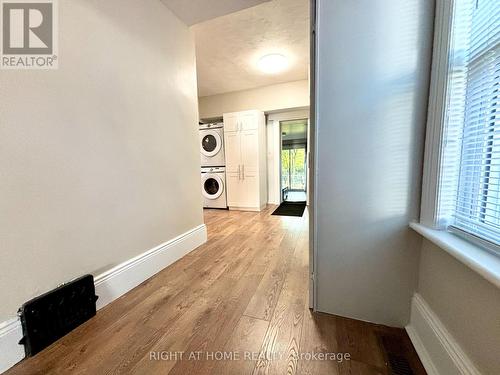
<point>234,162</point>
<point>254,106</point>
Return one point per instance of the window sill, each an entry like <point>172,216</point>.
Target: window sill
<point>473,256</point>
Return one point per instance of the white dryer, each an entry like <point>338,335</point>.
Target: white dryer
<point>213,187</point>
<point>212,145</point>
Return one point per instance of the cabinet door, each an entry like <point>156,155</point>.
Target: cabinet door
<point>250,150</point>
<point>232,144</point>
<point>249,120</point>
<point>231,122</point>
<point>250,167</point>
<point>234,192</point>
<point>250,190</point>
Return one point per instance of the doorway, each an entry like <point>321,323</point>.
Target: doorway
<point>293,160</point>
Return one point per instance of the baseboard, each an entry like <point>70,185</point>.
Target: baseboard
<point>437,349</point>
<point>252,209</point>
<point>110,285</point>
<point>10,350</point>
<point>120,279</point>
<point>422,352</point>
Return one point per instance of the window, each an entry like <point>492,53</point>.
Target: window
<point>469,173</point>
<point>293,168</point>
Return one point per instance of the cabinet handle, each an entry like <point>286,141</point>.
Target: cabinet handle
<point>243,171</point>
<point>239,172</point>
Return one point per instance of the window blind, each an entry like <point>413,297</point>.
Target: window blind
<point>470,170</point>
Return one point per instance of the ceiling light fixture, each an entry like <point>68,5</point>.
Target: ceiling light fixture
<point>273,63</point>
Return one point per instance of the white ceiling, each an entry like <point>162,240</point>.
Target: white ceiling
<point>228,47</point>
<point>195,11</point>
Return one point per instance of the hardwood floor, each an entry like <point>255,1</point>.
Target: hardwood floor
<point>244,294</point>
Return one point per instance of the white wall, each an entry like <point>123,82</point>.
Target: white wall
<point>90,154</point>
<point>465,303</point>
<point>373,68</point>
<point>268,98</point>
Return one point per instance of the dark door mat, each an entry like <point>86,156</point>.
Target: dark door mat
<point>290,209</point>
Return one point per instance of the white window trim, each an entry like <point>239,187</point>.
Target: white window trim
<point>436,114</point>
<point>472,255</point>
<point>475,257</point>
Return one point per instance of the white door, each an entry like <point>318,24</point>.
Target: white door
<point>233,167</point>
<point>250,167</point>
<point>233,190</point>
<point>231,122</point>
<point>249,121</point>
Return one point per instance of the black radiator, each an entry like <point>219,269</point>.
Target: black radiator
<point>52,315</point>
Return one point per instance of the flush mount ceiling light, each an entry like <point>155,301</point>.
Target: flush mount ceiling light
<point>273,63</point>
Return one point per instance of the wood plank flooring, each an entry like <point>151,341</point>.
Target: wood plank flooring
<point>242,295</point>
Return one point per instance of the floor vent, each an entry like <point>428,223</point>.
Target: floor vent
<point>397,355</point>
<point>52,315</point>
<point>399,365</point>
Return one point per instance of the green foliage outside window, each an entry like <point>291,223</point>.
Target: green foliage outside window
<point>293,169</point>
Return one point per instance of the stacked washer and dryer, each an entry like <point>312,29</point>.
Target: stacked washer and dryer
<point>213,165</point>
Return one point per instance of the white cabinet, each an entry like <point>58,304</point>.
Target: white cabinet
<point>231,122</point>
<point>245,145</point>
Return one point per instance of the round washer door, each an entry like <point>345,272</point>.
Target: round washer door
<point>211,143</point>
<point>212,186</point>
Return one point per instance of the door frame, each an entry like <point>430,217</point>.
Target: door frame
<point>306,161</point>
<point>273,120</point>
<point>313,167</point>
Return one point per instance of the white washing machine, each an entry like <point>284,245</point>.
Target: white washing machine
<point>213,187</point>
<point>212,145</point>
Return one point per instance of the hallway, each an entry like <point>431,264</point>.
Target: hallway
<point>244,292</point>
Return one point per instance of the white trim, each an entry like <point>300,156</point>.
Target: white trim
<point>286,115</point>
<point>274,120</point>
<point>437,349</point>
<point>422,352</point>
<point>273,164</point>
<point>11,352</point>
<point>120,279</point>
<point>436,113</point>
<point>244,208</point>
<point>473,256</point>
<point>111,284</point>
<point>313,180</point>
